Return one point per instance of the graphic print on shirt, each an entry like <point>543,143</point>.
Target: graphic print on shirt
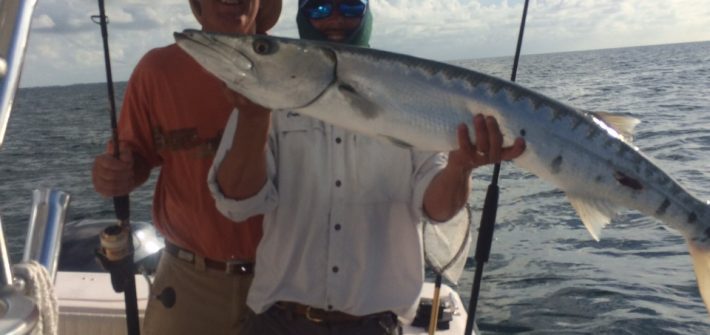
<point>186,139</point>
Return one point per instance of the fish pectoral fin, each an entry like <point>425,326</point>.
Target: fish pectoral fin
<point>594,213</point>
<point>701,264</point>
<point>397,142</point>
<point>358,102</point>
<point>624,125</point>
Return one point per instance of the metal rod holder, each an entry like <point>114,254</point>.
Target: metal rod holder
<point>44,232</point>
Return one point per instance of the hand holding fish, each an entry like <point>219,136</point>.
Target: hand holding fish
<point>449,190</point>
<point>488,148</point>
<point>246,106</point>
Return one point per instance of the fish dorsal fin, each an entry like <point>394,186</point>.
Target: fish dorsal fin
<point>595,213</point>
<point>624,125</point>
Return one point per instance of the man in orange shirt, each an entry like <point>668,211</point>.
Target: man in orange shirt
<point>172,118</point>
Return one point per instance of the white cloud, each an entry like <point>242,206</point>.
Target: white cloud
<point>65,46</point>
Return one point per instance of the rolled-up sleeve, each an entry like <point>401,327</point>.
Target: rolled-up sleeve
<point>426,166</point>
<point>262,202</point>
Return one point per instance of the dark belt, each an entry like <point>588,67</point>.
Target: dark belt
<point>229,267</point>
<point>318,315</point>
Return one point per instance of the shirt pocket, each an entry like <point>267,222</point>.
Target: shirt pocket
<point>286,123</point>
<point>300,139</point>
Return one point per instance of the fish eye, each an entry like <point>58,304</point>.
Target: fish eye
<point>263,46</point>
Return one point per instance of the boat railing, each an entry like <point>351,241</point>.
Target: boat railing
<point>18,313</point>
<point>15,19</point>
<point>44,232</point>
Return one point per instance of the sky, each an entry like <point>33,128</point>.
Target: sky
<point>65,46</point>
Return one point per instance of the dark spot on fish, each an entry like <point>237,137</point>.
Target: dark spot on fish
<point>692,218</point>
<point>662,210</point>
<point>522,132</point>
<point>598,178</point>
<point>663,180</point>
<point>593,132</point>
<point>622,150</point>
<point>556,114</point>
<point>473,81</point>
<point>495,87</point>
<point>627,181</point>
<point>517,95</point>
<point>577,122</point>
<point>538,103</point>
<point>346,88</point>
<point>556,165</point>
<point>707,233</point>
<point>293,77</point>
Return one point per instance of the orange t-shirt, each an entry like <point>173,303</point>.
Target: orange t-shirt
<point>173,115</point>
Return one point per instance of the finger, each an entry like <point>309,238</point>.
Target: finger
<point>108,169</point>
<point>482,144</point>
<point>464,139</point>
<point>109,189</point>
<point>514,151</point>
<point>112,185</point>
<point>495,139</point>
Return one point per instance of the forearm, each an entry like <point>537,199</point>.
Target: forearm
<point>447,193</point>
<point>242,173</point>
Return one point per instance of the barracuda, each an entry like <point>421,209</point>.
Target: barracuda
<point>419,103</point>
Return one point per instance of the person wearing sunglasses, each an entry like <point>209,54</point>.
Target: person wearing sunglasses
<point>341,252</point>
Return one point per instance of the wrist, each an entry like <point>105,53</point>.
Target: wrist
<point>458,170</point>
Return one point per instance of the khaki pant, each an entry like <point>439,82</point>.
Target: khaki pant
<point>207,301</point>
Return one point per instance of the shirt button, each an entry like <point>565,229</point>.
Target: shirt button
<point>335,269</point>
<point>338,183</point>
<point>337,226</point>
<point>338,140</point>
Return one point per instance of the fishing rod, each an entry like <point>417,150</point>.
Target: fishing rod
<point>116,252</point>
<point>490,206</point>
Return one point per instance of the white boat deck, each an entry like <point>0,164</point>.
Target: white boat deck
<point>88,305</point>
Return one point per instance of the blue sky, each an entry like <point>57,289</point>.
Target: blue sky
<point>65,46</point>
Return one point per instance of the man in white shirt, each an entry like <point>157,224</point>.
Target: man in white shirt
<point>341,252</point>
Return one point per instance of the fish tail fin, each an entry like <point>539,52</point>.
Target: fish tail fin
<point>701,264</point>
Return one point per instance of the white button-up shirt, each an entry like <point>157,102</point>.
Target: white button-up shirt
<point>341,218</point>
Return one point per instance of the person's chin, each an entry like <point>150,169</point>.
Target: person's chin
<point>335,37</point>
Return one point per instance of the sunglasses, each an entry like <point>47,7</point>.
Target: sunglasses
<point>321,9</point>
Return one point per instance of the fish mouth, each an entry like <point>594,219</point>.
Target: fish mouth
<point>223,60</point>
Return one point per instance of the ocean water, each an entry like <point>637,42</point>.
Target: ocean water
<point>546,274</point>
